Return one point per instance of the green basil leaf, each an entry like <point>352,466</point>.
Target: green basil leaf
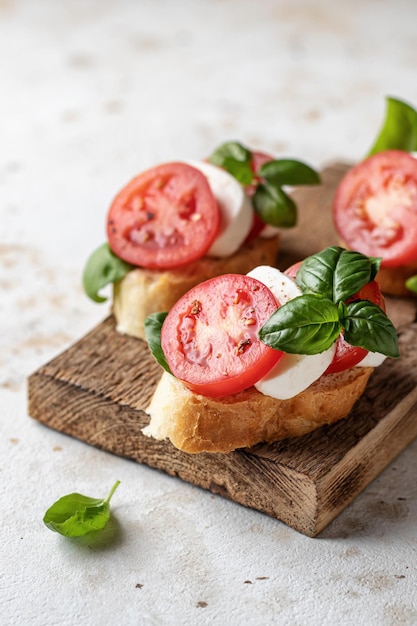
<point>307,324</point>
<point>375,265</point>
<point>153,325</point>
<point>352,272</point>
<point>75,515</point>
<point>366,325</point>
<point>411,284</point>
<point>336,273</point>
<point>235,159</point>
<point>288,172</point>
<point>316,273</point>
<point>102,268</point>
<point>399,130</point>
<point>274,206</point>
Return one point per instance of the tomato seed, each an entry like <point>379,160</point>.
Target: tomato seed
<point>242,345</point>
<point>196,307</point>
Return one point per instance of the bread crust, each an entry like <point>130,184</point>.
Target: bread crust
<point>392,279</point>
<point>142,292</point>
<point>195,423</point>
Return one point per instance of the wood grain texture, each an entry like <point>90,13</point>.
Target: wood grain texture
<point>98,391</point>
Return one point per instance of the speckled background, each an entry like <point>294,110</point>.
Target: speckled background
<point>91,92</point>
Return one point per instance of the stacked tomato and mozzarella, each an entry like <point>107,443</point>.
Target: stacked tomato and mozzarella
<point>178,212</point>
<point>295,372</point>
<point>210,338</point>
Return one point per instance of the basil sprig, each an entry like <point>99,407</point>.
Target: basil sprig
<point>273,205</point>
<point>103,267</point>
<point>75,515</point>
<point>311,322</point>
<point>153,326</point>
<point>399,129</point>
<point>336,273</point>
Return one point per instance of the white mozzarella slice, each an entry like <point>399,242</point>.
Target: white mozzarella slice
<point>282,286</point>
<point>372,359</point>
<point>294,372</point>
<point>235,208</point>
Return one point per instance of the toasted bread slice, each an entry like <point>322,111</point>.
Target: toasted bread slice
<point>195,423</point>
<point>142,292</point>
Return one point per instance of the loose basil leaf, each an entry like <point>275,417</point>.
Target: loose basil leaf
<point>102,268</point>
<point>288,172</point>
<point>274,206</point>
<point>235,159</point>
<point>336,273</point>
<point>399,130</point>
<point>366,325</point>
<point>307,324</point>
<point>411,284</point>
<point>75,515</point>
<point>153,325</point>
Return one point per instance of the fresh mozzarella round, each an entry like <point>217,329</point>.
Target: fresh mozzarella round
<point>235,209</point>
<point>294,372</point>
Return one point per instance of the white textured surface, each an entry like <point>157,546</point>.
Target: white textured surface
<point>91,92</point>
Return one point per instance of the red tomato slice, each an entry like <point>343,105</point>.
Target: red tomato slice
<point>210,336</point>
<point>346,355</point>
<point>375,207</point>
<point>164,218</point>
<point>372,292</point>
<point>257,227</point>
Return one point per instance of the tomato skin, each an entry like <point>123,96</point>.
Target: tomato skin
<point>375,207</point>
<point>210,336</point>
<point>165,217</point>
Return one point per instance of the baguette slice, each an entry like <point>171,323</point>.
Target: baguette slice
<point>142,292</point>
<point>195,423</point>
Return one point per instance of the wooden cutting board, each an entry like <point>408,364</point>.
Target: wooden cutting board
<point>98,390</point>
